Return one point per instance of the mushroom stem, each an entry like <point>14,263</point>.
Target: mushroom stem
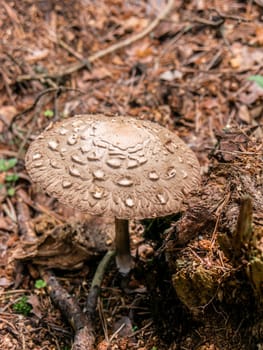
<point>122,244</point>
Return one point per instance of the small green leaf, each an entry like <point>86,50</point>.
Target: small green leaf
<point>40,284</point>
<point>11,177</point>
<point>258,79</point>
<point>154,348</point>
<point>11,191</point>
<point>22,306</point>
<point>49,113</point>
<point>6,164</point>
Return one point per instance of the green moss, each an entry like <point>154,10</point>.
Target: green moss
<point>22,306</point>
<point>195,286</point>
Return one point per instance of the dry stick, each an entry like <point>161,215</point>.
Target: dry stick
<point>96,282</point>
<point>40,208</point>
<point>235,18</point>
<point>81,323</point>
<point>58,90</point>
<point>24,221</point>
<point>84,331</point>
<point>77,66</point>
<point>208,22</point>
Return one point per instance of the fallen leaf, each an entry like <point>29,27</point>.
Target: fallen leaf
<point>259,2</point>
<point>124,327</point>
<point>97,74</point>
<point>37,55</point>
<point>171,75</point>
<point>33,300</point>
<point>244,114</point>
<point>245,57</point>
<point>5,282</point>
<point>5,224</point>
<point>135,22</point>
<point>252,93</point>
<point>118,61</point>
<point>7,114</point>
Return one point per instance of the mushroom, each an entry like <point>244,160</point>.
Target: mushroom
<point>116,166</point>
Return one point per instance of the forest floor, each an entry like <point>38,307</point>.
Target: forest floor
<point>195,67</point>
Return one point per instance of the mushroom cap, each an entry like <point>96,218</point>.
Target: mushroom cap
<point>116,166</point>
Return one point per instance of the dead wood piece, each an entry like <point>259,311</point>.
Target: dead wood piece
<point>196,219</point>
<point>65,246</point>
<point>81,322</point>
<point>244,226</point>
<point>251,242</point>
<point>84,331</point>
<point>80,340</point>
<point>24,221</point>
<point>245,247</point>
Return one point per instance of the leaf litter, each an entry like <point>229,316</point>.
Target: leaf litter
<point>193,72</point>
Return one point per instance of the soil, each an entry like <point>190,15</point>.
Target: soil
<point>192,66</point>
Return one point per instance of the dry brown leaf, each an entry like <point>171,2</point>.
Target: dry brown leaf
<point>245,57</point>
<point>244,114</point>
<point>252,93</point>
<point>5,282</point>
<point>171,75</point>
<point>7,114</point>
<point>5,224</point>
<point>259,35</point>
<point>15,19</point>
<point>33,300</point>
<point>37,55</point>
<point>259,2</point>
<point>117,60</point>
<point>97,74</point>
<point>135,22</point>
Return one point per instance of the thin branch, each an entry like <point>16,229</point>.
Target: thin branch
<point>57,90</point>
<point>96,283</point>
<point>84,331</point>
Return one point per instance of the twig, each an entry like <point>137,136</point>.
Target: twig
<point>8,208</point>
<point>136,37</point>
<point>84,331</point>
<point>24,221</point>
<point>120,45</point>
<point>39,207</point>
<point>225,40</point>
<point>8,90</point>
<point>235,18</point>
<point>208,22</point>
<point>75,54</point>
<point>96,283</point>
<point>58,90</point>
<point>81,322</point>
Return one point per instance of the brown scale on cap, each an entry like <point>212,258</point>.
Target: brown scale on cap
<point>115,166</point>
<point>119,166</point>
